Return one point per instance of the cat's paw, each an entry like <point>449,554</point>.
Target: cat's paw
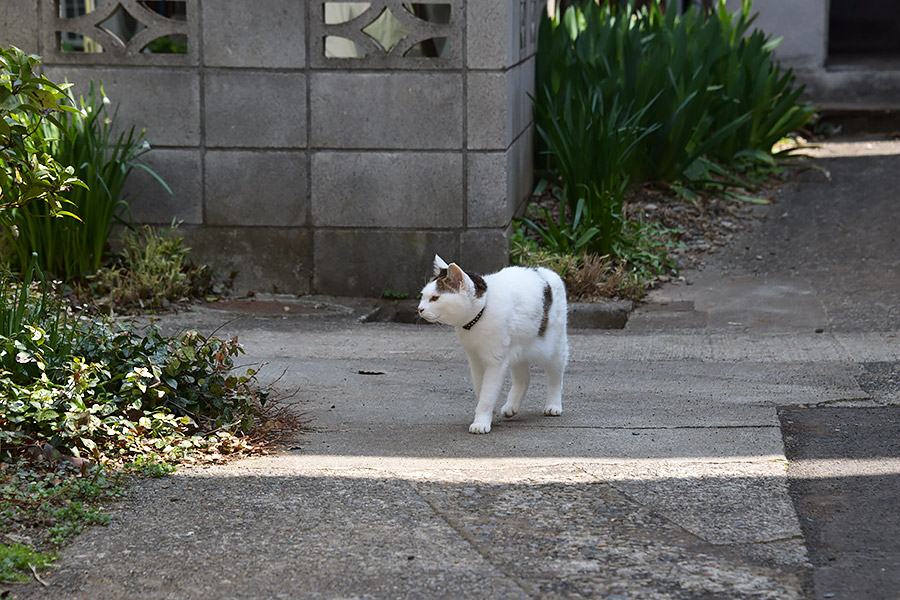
<point>508,411</point>
<point>552,411</point>
<point>480,427</point>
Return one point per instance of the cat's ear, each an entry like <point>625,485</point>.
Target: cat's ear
<point>439,264</point>
<point>457,278</point>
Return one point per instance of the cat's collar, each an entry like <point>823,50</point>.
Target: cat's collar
<point>471,323</point>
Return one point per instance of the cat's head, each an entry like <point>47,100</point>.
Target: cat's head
<point>452,295</point>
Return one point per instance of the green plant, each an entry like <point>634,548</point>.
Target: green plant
<point>27,172</point>
<point>756,87</point>
<point>626,95</point>
<point>154,272</point>
<point>104,158</point>
<point>71,519</point>
<point>527,252</point>
<point>590,139</point>
<point>29,301</point>
<point>17,560</point>
<point>389,294</point>
<point>51,499</point>
<point>123,391</point>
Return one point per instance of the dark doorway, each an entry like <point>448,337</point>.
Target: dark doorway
<point>864,33</point>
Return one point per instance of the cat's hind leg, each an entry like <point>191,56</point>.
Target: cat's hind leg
<point>553,408</point>
<point>521,377</point>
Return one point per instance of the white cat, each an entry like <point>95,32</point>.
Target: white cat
<point>506,321</point>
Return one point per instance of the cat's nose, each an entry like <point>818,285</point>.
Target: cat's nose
<point>421,309</point>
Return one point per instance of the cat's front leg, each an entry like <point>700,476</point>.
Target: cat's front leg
<point>491,383</point>
<point>520,380</point>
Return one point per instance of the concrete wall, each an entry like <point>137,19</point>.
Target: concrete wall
<point>306,173</point>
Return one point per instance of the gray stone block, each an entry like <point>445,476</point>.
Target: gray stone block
<point>499,183</point>
<point>164,101</point>
<point>492,34</point>
<point>386,110</point>
<point>483,250</point>
<point>256,109</point>
<point>490,192</point>
<point>599,315</point>
<point>180,169</point>
<point>19,25</point>
<point>489,111</point>
<point>265,33</point>
<point>387,189</point>
<point>253,188</point>
<point>266,259</point>
<point>367,262</point>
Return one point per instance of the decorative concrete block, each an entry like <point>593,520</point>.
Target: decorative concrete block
<point>268,259</point>
<point>19,25</point>
<point>363,110</point>
<point>362,262</point>
<point>387,189</point>
<point>164,101</point>
<point>118,50</point>
<point>483,250</point>
<point>180,169</point>
<point>255,109</point>
<point>492,34</point>
<point>251,188</point>
<point>264,33</point>
<point>489,109</point>
<point>391,54</point>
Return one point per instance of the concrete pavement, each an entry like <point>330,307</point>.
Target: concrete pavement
<point>665,477</point>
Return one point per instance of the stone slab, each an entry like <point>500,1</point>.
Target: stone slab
<point>396,110</point>
<point>165,102</point>
<point>387,189</point>
<point>256,255</point>
<point>490,108</point>
<point>484,250</point>
<point>153,204</point>
<point>492,34</point>
<point>19,25</point>
<point>260,109</point>
<point>251,188</point>
<point>268,34</point>
<point>364,262</point>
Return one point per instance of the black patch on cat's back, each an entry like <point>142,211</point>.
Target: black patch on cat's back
<point>480,284</point>
<point>548,301</point>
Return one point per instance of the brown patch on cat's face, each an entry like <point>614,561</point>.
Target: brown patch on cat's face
<point>443,282</point>
<point>448,282</point>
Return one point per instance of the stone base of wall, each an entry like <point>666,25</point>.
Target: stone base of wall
<point>340,262</point>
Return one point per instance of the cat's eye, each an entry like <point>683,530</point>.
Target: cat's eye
<point>433,298</point>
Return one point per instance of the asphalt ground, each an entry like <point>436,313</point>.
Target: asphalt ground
<point>667,476</point>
